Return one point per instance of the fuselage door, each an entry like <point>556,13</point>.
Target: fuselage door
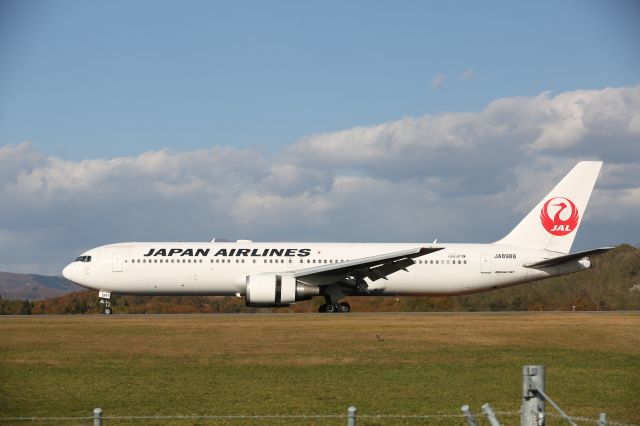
<point>485,264</point>
<point>117,262</point>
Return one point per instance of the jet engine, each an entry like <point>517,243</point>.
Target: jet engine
<point>272,290</point>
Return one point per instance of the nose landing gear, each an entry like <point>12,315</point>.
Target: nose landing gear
<point>107,307</point>
<point>105,297</point>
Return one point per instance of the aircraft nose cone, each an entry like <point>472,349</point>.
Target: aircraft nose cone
<point>67,272</point>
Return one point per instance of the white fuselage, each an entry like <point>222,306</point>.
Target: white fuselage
<point>220,269</point>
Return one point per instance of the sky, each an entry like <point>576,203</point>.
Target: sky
<point>309,121</point>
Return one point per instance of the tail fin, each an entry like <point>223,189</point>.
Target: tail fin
<point>553,224</point>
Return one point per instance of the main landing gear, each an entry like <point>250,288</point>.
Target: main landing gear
<point>335,307</point>
<point>333,293</point>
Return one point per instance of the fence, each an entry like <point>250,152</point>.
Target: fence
<point>532,411</point>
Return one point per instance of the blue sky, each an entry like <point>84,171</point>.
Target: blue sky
<point>89,79</point>
<point>325,121</point>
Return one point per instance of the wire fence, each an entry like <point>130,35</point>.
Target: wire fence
<point>532,412</point>
<point>292,418</point>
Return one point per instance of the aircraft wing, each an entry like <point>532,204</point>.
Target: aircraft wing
<point>555,261</point>
<point>373,267</point>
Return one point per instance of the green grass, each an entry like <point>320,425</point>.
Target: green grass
<point>316,364</point>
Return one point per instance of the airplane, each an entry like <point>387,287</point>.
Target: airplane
<point>280,274</point>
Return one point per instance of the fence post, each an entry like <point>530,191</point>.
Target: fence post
<point>602,421</point>
<point>471,421</point>
<point>97,417</point>
<point>532,411</point>
<point>491,416</point>
<point>351,416</point>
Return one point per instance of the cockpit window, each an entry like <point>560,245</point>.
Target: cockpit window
<point>83,259</point>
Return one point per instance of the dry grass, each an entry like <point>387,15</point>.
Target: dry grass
<point>315,364</point>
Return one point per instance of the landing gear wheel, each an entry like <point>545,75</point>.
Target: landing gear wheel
<point>344,307</point>
<point>107,306</point>
<point>322,308</point>
<point>331,308</point>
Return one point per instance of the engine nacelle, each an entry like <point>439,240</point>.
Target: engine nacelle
<point>270,290</point>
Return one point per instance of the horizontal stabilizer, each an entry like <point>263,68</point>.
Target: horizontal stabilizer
<point>555,261</point>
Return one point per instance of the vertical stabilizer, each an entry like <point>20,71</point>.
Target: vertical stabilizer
<point>553,224</point>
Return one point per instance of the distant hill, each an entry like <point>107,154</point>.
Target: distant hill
<point>612,284</point>
<point>33,287</point>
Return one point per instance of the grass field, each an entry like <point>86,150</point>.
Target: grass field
<point>316,364</point>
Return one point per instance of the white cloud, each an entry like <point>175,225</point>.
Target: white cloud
<point>276,210</point>
<point>437,81</point>
<point>455,176</point>
<point>468,74</point>
<point>634,125</point>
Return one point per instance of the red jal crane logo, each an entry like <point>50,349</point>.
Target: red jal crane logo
<point>565,217</point>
